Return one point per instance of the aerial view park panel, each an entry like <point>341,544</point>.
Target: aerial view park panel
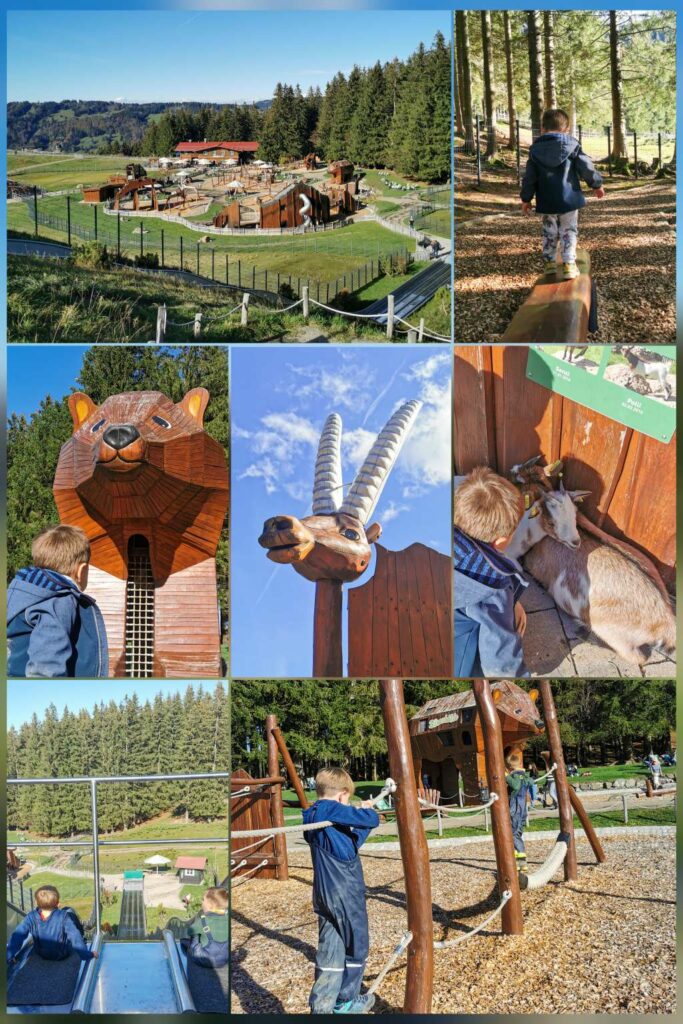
<point>263,202</point>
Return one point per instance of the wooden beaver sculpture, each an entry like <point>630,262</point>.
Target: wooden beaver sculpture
<point>149,487</point>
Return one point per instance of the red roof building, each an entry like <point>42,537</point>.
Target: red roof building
<point>193,863</point>
<point>217,151</point>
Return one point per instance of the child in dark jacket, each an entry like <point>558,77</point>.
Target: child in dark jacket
<point>339,894</point>
<point>54,630</point>
<point>56,931</point>
<point>489,619</point>
<point>553,174</point>
<point>209,933</point>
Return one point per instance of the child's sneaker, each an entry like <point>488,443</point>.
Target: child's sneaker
<point>521,861</point>
<point>570,271</point>
<point>549,266</point>
<point>362,1004</point>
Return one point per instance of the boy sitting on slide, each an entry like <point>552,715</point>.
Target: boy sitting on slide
<point>56,931</point>
<point>209,932</point>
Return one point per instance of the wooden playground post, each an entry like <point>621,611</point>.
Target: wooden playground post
<point>277,812</point>
<point>414,850</point>
<point>327,630</point>
<point>552,728</point>
<point>587,825</point>
<point>501,824</point>
<point>289,766</point>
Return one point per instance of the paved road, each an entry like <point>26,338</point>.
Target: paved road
<point>414,293</point>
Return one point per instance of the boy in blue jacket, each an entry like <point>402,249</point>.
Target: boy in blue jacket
<point>489,619</point>
<point>56,931</point>
<point>54,630</point>
<point>339,894</point>
<point>553,174</point>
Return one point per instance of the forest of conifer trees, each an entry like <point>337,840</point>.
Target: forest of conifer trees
<point>181,732</point>
<point>395,115</point>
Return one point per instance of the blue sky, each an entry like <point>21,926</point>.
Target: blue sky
<point>33,373</point>
<point>279,401</point>
<point>29,697</point>
<point>217,56</point>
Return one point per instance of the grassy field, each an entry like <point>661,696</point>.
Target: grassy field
<point>54,171</point>
<point>51,300</point>
<point>438,222</point>
<point>319,257</point>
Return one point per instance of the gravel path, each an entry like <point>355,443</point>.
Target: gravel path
<point>605,943</point>
<point>631,239</point>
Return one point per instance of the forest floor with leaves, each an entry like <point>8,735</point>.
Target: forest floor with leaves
<point>602,944</point>
<point>630,236</point>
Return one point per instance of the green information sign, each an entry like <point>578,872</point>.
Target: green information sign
<point>633,385</point>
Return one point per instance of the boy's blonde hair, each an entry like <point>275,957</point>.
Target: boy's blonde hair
<point>555,120</point>
<point>330,781</point>
<point>47,897</point>
<point>216,898</point>
<point>61,548</point>
<point>514,759</point>
<point>486,506</point>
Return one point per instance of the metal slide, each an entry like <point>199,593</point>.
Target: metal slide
<point>132,922</point>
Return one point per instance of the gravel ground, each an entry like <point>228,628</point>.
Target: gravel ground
<point>631,239</point>
<point>605,943</point>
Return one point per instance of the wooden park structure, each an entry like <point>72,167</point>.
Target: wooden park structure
<point>149,487</point>
<point>493,721</point>
<point>399,619</point>
<point>501,418</point>
<point>556,311</point>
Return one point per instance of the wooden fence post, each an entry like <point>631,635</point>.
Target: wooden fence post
<point>421,329</point>
<point>161,325</point>
<point>390,316</point>
<point>508,878</point>
<point>414,850</point>
<point>277,811</point>
<point>245,309</point>
<point>552,729</point>
<point>294,779</point>
<point>304,297</point>
<point>587,824</point>
<point>197,325</point>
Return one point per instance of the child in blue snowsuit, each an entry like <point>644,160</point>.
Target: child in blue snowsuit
<point>56,931</point>
<point>54,630</point>
<point>519,785</point>
<point>339,894</point>
<point>553,174</point>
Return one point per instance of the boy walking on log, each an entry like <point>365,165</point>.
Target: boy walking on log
<point>339,894</point>
<point>519,784</point>
<point>553,174</point>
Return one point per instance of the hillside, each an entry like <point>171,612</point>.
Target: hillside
<point>85,126</point>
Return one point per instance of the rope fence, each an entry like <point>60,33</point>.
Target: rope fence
<point>449,943</point>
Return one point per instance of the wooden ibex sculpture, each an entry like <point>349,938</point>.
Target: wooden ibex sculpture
<point>333,545</point>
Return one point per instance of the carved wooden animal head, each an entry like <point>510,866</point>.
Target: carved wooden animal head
<point>517,710</point>
<point>334,542</point>
<point>142,464</point>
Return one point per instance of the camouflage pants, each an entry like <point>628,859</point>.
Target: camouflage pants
<point>562,228</point>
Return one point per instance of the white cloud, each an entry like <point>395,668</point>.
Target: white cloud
<point>281,440</point>
<point>429,367</point>
<point>355,446</point>
<point>350,389</point>
<point>426,456</point>
<point>392,511</point>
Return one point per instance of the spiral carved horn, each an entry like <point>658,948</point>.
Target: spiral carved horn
<point>373,474</point>
<point>327,482</point>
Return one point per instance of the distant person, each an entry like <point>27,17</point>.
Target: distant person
<point>339,894</point>
<point>554,171</point>
<point>656,771</point>
<point>533,785</point>
<point>489,619</point>
<point>54,630</point>
<point>56,931</point>
<point>209,932</point>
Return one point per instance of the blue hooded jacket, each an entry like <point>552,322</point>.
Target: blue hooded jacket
<point>553,174</point>
<point>55,938</point>
<point>54,631</point>
<point>487,586</point>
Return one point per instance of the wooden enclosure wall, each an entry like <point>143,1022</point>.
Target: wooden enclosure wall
<point>400,621</point>
<point>251,811</point>
<point>501,418</point>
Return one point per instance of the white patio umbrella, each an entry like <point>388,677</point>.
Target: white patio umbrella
<point>157,861</point>
<point>235,185</point>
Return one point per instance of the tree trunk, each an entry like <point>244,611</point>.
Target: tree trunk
<point>466,81</point>
<point>509,72</point>
<point>535,70</point>
<point>459,121</point>
<point>619,150</point>
<point>549,37</point>
<point>489,87</point>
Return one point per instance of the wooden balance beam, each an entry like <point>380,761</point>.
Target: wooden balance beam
<point>556,311</point>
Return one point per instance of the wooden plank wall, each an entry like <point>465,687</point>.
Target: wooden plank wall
<point>500,418</point>
<point>251,811</point>
<point>400,620</point>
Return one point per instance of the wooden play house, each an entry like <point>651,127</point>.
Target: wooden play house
<point>149,487</point>
<point>501,418</point>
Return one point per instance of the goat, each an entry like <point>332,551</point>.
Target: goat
<point>573,352</point>
<point>611,588</point>
<point>655,369</point>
